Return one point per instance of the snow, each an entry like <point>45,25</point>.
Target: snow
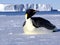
<point>11,31</point>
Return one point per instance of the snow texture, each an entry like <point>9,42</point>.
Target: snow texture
<point>11,31</point>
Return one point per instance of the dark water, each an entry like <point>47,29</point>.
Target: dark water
<point>38,13</point>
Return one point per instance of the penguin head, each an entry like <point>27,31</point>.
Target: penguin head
<point>30,13</point>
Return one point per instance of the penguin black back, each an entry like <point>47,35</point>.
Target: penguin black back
<point>41,22</point>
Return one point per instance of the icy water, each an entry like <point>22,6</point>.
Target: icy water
<point>11,31</point>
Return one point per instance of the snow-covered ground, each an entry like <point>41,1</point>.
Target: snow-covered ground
<point>11,31</point>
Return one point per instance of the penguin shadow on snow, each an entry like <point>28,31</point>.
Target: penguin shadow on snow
<point>58,30</point>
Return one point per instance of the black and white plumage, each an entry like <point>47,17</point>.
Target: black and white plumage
<point>37,25</point>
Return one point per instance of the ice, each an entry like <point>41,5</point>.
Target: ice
<point>11,31</point>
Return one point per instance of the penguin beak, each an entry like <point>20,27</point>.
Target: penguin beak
<point>37,11</point>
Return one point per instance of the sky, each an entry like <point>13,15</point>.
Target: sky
<point>54,3</point>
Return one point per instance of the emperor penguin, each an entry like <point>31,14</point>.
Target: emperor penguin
<point>37,25</point>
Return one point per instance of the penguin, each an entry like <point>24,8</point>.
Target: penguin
<point>37,25</point>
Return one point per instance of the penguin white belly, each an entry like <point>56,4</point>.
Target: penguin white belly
<point>30,29</point>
